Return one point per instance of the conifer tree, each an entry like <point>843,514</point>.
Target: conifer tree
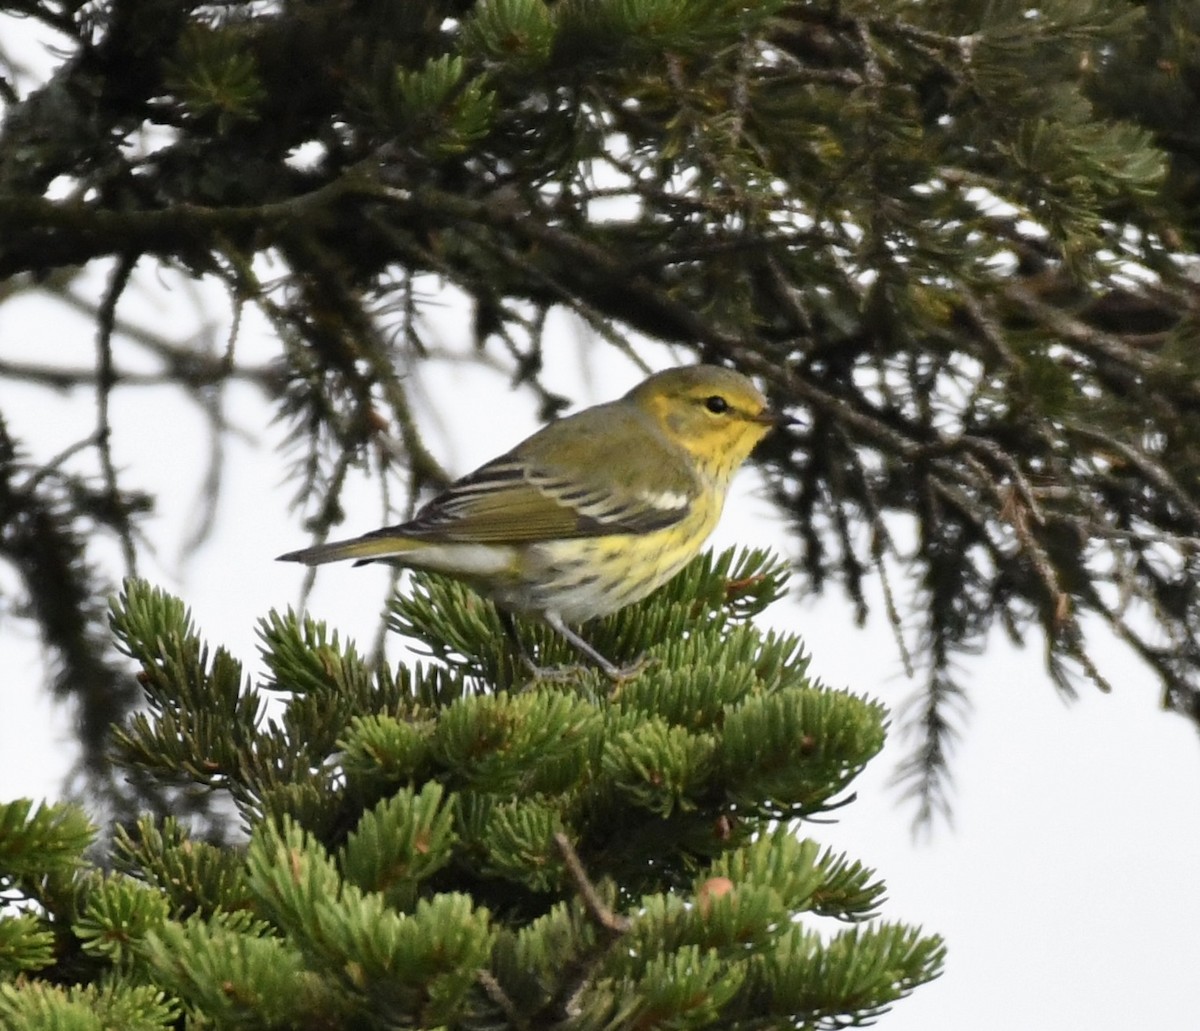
<point>452,845</point>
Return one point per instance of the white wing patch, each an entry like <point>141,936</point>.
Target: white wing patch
<point>665,500</point>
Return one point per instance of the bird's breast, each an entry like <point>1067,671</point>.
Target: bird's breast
<point>588,577</point>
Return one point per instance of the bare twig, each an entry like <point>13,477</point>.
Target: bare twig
<point>106,317</point>
<point>601,915</point>
<point>499,996</point>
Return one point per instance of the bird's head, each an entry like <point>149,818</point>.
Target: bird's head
<point>715,414</point>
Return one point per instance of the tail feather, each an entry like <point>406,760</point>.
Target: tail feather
<point>365,549</point>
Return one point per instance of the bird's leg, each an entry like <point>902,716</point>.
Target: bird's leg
<point>538,672</point>
<point>510,631</point>
<point>618,674</point>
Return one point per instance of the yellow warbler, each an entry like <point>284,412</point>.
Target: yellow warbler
<point>592,512</point>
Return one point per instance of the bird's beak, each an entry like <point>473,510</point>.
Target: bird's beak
<point>774,419</point>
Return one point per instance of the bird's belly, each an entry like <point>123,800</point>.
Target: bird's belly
<point>590,577</point>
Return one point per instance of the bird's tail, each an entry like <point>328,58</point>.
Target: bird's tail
<point>365,549</point>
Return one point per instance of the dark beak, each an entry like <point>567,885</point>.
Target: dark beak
<point>770,417</point>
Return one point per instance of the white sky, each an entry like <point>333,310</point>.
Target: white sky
<point>1066,891</point>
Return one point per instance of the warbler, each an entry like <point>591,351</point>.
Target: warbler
<point>590,513</point>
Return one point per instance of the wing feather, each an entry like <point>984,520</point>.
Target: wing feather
<point>575,478</point>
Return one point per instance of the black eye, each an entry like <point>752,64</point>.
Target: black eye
<point>716,404</point>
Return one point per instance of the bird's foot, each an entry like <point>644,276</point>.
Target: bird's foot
<point>553,674</point>
<point>619,675</point>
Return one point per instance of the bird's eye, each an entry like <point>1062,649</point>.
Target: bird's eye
<point>716,404</point>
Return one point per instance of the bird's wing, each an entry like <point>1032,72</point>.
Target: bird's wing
<point>580,477</point>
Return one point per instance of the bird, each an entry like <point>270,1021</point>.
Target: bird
<point>592,512</point>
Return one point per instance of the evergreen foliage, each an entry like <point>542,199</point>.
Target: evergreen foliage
<point>427,847</point>
<point>957,239</point>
